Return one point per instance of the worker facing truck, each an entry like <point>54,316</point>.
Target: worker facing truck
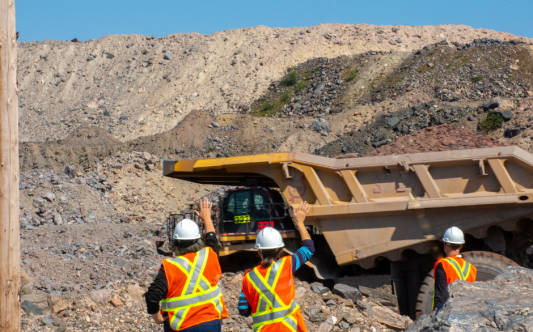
<point>186,285</point>
<point>451,268</point>
<point>268,290</point>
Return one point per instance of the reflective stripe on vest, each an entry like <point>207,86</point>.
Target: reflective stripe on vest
<point>190,296</point>
<point>462,273</point>
<point>279,311</point>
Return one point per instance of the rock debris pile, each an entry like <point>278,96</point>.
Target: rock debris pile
<point>502,304</point>
<point>452,72</point>
<point>391,127</point>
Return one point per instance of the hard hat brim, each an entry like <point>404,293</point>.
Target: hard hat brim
<point>453,242</point>
<point>175,237</point>
<point>271,247</point>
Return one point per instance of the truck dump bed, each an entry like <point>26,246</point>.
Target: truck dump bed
<point>385,206</point>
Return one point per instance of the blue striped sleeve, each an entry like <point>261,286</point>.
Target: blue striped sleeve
<point>302,255</point>
<point>244,306</point>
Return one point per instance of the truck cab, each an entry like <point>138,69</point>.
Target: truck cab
<point>249,210</point>
<point>244,212</point>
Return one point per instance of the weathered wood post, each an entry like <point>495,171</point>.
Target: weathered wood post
<point>9,173</point>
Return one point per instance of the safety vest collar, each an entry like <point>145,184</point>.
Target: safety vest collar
<point>197,291</point>
<point>464,272</point>
<point>270,308</point>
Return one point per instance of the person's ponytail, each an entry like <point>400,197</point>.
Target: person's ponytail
<point>270,256</point>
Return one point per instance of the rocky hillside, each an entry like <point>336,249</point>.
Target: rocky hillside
<point>134,86</point>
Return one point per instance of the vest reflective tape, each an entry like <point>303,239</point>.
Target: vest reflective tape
<point>278,312</point>
<point>462,273</point>
<point>190,296</point>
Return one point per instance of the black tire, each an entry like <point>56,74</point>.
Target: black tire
<point>488,266</point>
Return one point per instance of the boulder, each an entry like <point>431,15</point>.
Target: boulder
<point>379,296</point>
<point>49,196</point>
<point>503,304</point>
<point>101,296</point>
<point>135,292</point>
<point>347,292</point>
<point>491,105</point>
<point>30,308</point>
<point>321,125</point>
<point>388,317</point>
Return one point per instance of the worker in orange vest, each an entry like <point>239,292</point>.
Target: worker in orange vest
<point>268,290</point>
<point>186,285</point>
<point>452,267</point>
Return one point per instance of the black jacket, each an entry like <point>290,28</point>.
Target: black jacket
<point>159,288</point>
<point>441,288</point>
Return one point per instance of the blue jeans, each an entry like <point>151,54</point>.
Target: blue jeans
<point>212,326</point>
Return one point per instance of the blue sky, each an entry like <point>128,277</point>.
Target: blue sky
<point>65,20</point>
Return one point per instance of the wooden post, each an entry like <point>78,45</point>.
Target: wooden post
<point>9,173</point>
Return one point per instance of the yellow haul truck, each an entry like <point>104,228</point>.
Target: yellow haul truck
<point>380,209</point>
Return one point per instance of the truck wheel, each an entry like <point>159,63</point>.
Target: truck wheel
<point>488,266</point>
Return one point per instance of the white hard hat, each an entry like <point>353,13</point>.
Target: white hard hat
<point>186,230</point>
<point>453,235</point>
<point>269,238</point>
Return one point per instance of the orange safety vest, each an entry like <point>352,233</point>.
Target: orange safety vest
<point>193,295</point>
<point>270,293</point>
<point>456,268</point>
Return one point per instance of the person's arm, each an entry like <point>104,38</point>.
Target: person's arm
<point>302,255</point>
<point>244,307</point>
<point>441,288</point>
<point>205,215</point>
<point>211,240</point>
<point>157,292</point>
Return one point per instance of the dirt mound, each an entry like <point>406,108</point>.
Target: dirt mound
<point>90,136</point>
<point>133,85</point>
<point>433,139</point>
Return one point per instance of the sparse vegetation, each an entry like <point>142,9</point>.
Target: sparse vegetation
<point>210,149</point>
<point>477,78</point>
<point>317,69</point>
<point>286,97</point>
<point>289,69</point>
<point>352,74</point>
<point>300,86</point>
<point>290,79</point>
<point>491,122</point>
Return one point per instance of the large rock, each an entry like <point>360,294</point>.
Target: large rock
<point>502,304</point>
<point>30,308</point>
<point>347,292</point>
<point>100,296</point>
<point>321,126</point>
<point>49,196</point>
<point>379,296</point>
<point>135,292</point>
<point>390,318</point>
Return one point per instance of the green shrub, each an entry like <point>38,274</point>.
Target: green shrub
<point>286,97</point>
<point>352,74</point>
<point>290,79</point>
<point>300,86</point>
<point>267,107</point>
<point>491,121</point>
<point>477,78</point>
<point>317,69</point>
<point>210,149</point>
<point>289,69</point>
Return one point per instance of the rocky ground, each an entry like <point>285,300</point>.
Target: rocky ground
<point>506,305</point>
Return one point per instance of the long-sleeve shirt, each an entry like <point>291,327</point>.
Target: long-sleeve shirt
<point>441,288</point>
<point>299,258</point>
<point>159,288</point>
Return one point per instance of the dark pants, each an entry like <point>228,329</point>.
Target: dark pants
<point>212,326</point>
